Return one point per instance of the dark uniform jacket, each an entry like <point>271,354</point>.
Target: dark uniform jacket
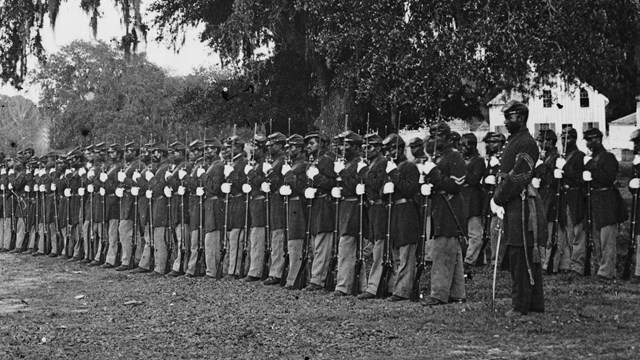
<point>144,203</point>
<point>113,202</point>
<point>160,211</point>
<point>128,199</point>
<point>297,179</point>
<point>276,201</point>
<point>214,204</point>
<point>472,189</point>
<point>191,182</point>
<point>374,178</point>
<point>237,199</point>
<point>323,208</point>
<point>607,205</point>
<point>70,206</point>
<point>573,195</point>
<point>349,223</point>
<point>405,222</point>
<point>516,172</point>
<point>447,184</point>
<point>257,209</point>
<point>548,184</point>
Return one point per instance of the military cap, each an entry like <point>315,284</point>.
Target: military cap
<point>391,141</point>
<point>570,131</point>
<point>61,159</point>
<point>547,135</point>
<point>275,138</point>
<point>215,143</point>
<point>74,153</point>
<point>234,140</point>
<point>89,148</point>
<point>177,146</point>
<point>373,139</point>
<point>311,135</point>
<point>28,150</point>
<point>336,139</point>
<point>116,147</point>
<point>439,127</point>
<point>161,147</point>
<point>296,140</point>
<point>592,133</point>
<point>351,137</point>
<point>514,107</point>
<point>21,152</point>
<point>416,142</point>
<point>635,135</point>
<point>132,145</point>
<point>196,145</point>
<point>493,136</point>
<point>99,147</point>
<point>455,136</point>
<point>259,139</point>
<point>52,154</point>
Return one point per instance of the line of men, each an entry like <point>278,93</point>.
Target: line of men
<point>304,211</point>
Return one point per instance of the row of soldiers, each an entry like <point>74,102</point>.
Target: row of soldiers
<point>305,211</point>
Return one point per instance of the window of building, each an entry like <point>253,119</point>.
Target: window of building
<point>546,98</point>
<point>584,98</point>
<point>544,126</point>
<point>589,125</point>
<point>502,129</point>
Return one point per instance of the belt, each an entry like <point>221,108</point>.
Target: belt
<point>321,196</point>
<point>212,197</point>
<point>401,201</point>
<point>258,197</point>
<point>573,188</point>
<point>602,189</point>
<point>376,202</point>
<point>236,195</point>
<point>295,198</point>
<point>441,192</point>
<point>350,198</point>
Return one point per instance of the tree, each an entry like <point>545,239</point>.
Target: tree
<point>21,125</point>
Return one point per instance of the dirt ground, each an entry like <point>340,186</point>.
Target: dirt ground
<point>53,309</point>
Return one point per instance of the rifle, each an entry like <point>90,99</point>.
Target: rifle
<point>267,247</point>
<point>245,244</point>
<point>36,237</point>
<point>359,253</point>
<point>152,256</point>
<point>223,248</point>
<point>12,241</point>
<point>424,236</point>
<point>45,226</point>
<point>626,272</point>
<point>486,226</point>
<point>555,230</point>
<point>134,240</point>
<point>172,239</point>
<point>67,235</point>
<point>105,222</point>
<point>589,232</point>
<point>92,245</point>
<point>200,261</point>
<point>58,238</point>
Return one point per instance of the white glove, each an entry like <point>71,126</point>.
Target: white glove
<point>11,172</point>
<point>27,188</point>
<point>28,171</point>
<point>285,169</point>
<point>135,191</point>
<point>148,175</point>
<point>285,190</point>
<point>181,174</point>
<point>121,176</point>
<point>247,169</point>
<point>10,186</point>
<point>586,159</point>
<point>136,175</point>
<point>493,161</point>
<point>167,191</point>
<point>388,188</point>
<point>52,170</point>
<point>586,175</point>
<point>336,192</point>
<point>81,191</point>
<point>361,165</point>
<point>634,183</point>
<point>360,189</point>
<point>181,190</point>
<point>200,191</point>
<point>53,187</point>
<point>312,172</point>
<point>67,192</point>
<point>557,173</point>
<point>82,171</point>
<point>148,194</point>
<point>103,192</point>
<point>425,189</point>
<point>265,187</point>
<point>246,188</point>
<point>535,182</point>
<point>200,171</point>
<point>90,188</point>
<point>310,193</point>
<point>226,188</point>
<point>428,167</point>
<point>539,162</point>
<point>228,169</point>
<point>636,159</point>
<point>490,180</point>
<point>560,163</point>
<point>391,166</point>
<point>43,188</point>
<point>498,210</point>
<point>103,177</point>
<point>119,192</point>
<point>3,171</point>
<point>91,174</point>
<point>338,166</point>
<point>66,172</point>
<point>266,167</point>
<point>167,175</point>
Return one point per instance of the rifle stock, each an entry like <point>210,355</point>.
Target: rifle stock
<point>285,267</point>
<point>330,283</point>
<point>267,245</point>
<point>589,233</point>
<point>486,228</point>
<point>556,229</point>
<point>424,236</point>
<point>224,238</point>
<point>387,269</point>
<point>300,281</point>
<point>355,290</point>
<point>626,272</point>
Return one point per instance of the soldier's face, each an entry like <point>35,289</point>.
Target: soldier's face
<point>313,145</point>
<point>210,152</point>
<point>492,147</point>
<point>373,151</point>
<point>512,122</point>
<point>593,143</point>
<point>156,156</point>
<point>417,151</point>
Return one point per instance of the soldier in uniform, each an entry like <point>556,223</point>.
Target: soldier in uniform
<point>161,192</point>
<point>520,206</point>
<point>634,186</point>
<point>96,192</point>
<point>257,235</point>
<point>607,206</point>
<point>31,195</point>
<point>214,207</point>
<point>192,181</point>
<point>447,176</point>
<point>416,145</point>
<point>109,182</point>
<point>320,180</point>
<point>571,239</point>
<point>473,196</point>
<point>16,183</point>
<point>494,143</point>
<point>179,216</point>
<point>145,205</point>
<point>71,205</point>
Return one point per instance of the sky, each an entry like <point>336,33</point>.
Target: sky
<point>73,24</point>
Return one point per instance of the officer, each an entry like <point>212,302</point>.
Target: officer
<point>494,142</point>
<point>473,196</point>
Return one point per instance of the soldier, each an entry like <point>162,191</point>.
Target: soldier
<point>7,204</point>
<point>71,205</point>
<point>32,198</point>
<point>571,239</point>
<point>448,216</point>
<point>295,181</point>
<point>547,184</point>
<point>214,207</point>
<point>320,181</point>
<point>145,202</point>
<point>88,223</point>
<point>257,235</point>
<point>634,185</point>
<point>520,207</point>
<point>272,168</point>
<point>473,196</point>
<point>109,182</point>
<point>607,207</point>
<point>494,143</point>
<point>191,181</point>
<point>161,192</point>
<point>179,216</point>
<point>55,169</point>
<point>235,178</point>
<point>417,150</point>
<point>16,184</point>
<point>97,193</point>
<point>349,171</point>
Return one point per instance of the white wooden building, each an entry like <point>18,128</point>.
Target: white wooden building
<point>562,105</point>
<point>620,129</point>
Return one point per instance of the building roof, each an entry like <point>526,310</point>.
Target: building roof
<point>628,120</point>
<point>503,97</point>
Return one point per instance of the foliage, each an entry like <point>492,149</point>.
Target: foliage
<point>20,125</point>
